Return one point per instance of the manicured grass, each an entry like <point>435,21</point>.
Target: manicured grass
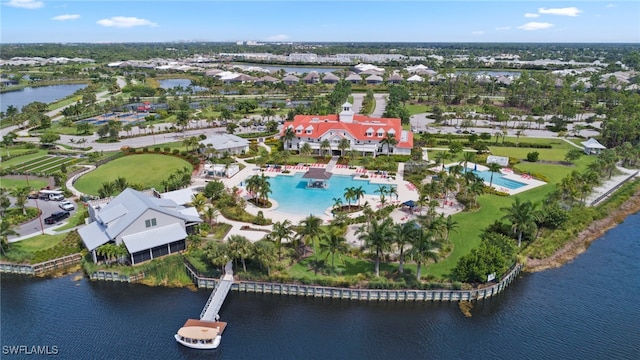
<point>40,242</point>
<point>22,159</point>
<point>521,153</point>
<point>146,169</point>
<point>75,219</point>
<point>11,183</point>
<point>418,109</point>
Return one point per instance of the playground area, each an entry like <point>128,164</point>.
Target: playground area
<point>123,117</point>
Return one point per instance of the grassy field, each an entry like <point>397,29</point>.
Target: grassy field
<point>22,159</point>
<point>146,169</point>
<point>11,183</point>
<point>36,243</point>
<point>418,109</point>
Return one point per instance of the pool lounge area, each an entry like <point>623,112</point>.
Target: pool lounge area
<point>505,180</point>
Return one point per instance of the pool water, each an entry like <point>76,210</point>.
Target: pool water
<point>293,197</point>
<point>499,180</point>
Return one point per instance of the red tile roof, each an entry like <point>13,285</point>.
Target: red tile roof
<point>322,124</point>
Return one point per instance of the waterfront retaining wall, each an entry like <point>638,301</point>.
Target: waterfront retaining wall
<point>41,268</point>
<point>363,294</point>
<point>115,276</point>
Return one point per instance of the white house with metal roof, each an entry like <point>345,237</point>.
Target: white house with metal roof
<point>147,225</point>
<point>226,143</point>
<point>592,147</point>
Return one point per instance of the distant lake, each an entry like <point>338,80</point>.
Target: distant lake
<point>45,94</point>
<point>171,83</point>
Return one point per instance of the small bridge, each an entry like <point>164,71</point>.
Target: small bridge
<point>213,305</point>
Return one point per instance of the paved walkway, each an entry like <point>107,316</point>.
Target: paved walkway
<point>609,184</point>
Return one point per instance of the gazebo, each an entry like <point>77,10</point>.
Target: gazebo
<point>317,178</point>
<point>592,147</point>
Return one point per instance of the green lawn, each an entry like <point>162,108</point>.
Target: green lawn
<point>40,242</point>
<point>146,169</point>
<point>21,159</point>
<point>418,109</point>
<point>11,183</point>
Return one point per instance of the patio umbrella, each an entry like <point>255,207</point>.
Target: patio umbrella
<point>475,167</point>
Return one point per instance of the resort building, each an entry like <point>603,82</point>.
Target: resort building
<point>364,134</point>
<point>225,143</point>
<point>147,224</point>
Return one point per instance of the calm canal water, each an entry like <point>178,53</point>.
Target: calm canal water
<point>45,94</point>
<point>585,310</point>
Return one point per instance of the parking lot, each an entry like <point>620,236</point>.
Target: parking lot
<point>47,208</point>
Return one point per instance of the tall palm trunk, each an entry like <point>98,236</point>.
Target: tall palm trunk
<point>419,270</point>
<point>401,265</point>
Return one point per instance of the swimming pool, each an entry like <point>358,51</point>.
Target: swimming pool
<point>293,197</point>
<point>499,180</point>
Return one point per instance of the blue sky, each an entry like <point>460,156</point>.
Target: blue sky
<point>371,21</point>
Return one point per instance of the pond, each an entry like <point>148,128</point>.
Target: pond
<point>45,94</point>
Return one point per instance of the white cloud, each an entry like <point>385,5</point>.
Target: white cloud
<point>611,6</point>
<point>503,28</point>
<point>569,11</point>
<point>535,26</point>
<point>125,22</point>
<point>65,17</point>
<point>279,37</point>
<point>477,33</point>
<point>25,4</point>
<point>531,15</point>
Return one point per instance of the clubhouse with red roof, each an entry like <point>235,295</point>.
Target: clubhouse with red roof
<point>366,135</point>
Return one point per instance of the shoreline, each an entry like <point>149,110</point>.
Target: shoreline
<point>582,241</point>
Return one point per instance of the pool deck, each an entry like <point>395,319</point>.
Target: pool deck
<point>507,173</point>
<point>406,191</point>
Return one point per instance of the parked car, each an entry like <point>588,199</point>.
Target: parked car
<point>66,205</point>
<point>56,197</point>
<point>56,217</point>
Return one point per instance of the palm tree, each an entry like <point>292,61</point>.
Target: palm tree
<point>305,149</point>
<point>392,190</point>
<point>440,157</point>
<point>120,184</point>
<point>265,253</point>
<point>199,201</point>
<point>333,243</point>
<point>288,137</point>
<point>522,215</point>
<point>343,145</point>
<point>376,237</point>
<point>310,228</point>
<point>449,225</point>
<point>5,231</point>
<point>252,185</point>
<point>423,248</point>
<point>211,213</point>
<point>402,235</point>
<point>467,157</point>
<point>239,248</point>
<point>20,194</point>
<point>281,231</point>
<point>493,168</point>
<point>350,194</point>
<point>324,145</point>
<point>358,193</point>
<point>390,141</point>
<point>217,253</point>
<point>337,203</point>
<point>383,191</point>
<point>264,190</point>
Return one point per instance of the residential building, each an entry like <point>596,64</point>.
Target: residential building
<point>365,135</point>
<point>225,143</point>
<point>148,225</point>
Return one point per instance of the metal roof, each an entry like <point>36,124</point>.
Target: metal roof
<point>154,237</point>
